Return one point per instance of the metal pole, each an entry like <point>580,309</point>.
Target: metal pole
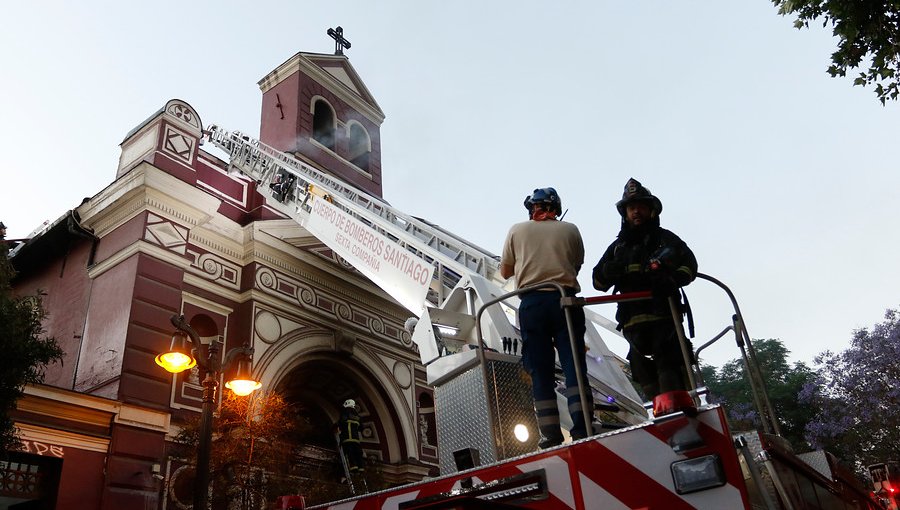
<point>578,358</point>
<point>213,366</point>
<point>201,477</point>
<point>682,341</point>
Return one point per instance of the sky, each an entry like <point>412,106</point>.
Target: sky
<point>781,179</point>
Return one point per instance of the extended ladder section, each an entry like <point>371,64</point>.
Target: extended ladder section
<point>415,262</point>
<point>291,182</point>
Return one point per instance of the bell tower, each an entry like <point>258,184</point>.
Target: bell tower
<point>316,107</point>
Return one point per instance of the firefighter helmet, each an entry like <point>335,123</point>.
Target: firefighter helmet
<point>349,403</point>
<point>636,192</point>
<point>544,196</point>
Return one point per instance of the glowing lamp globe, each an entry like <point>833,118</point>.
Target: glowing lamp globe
<point>178,358</point>
<point>243,384</point>
<point>175,361</point>
<point>243,387</point>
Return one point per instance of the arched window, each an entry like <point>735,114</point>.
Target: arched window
<point>323,124</point>
<point>360,147</point>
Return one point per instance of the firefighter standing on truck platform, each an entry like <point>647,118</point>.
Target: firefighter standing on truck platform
<point>348,427</point>
<point>543,249</point>
<point>644,257</point>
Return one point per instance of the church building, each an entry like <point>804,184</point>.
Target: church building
<point>179,232</point>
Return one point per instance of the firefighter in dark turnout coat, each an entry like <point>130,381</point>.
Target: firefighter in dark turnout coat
<point>348,427</point>
<point>644,257</point>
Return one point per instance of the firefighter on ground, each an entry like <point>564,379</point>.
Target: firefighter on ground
<point>348,427</point>
<point>544,249</point>
<point>644,257</point>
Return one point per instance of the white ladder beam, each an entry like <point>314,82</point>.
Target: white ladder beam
<point>451,256</point>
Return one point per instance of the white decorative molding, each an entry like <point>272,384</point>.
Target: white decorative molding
<point>62,438</point>
<point>334,280</point>
<point>214,237</point>
<point>269,326</point>
<point>84,408</point>
<point>215,268</point>
<point>179,145</point>
<point>184,112</point>
<point>166,233</point>
<point>143,418</point>
<point>345,311</point>
<point>206,304</point>
<point>199,282</point>
<point>358,100</point>
<point>138,147</point>
<point>147,187</point>
<point>132,249</point>
<point>403,374</point>
<point>340,158</point>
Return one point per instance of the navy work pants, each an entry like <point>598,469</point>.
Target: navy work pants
<point>543,325</point>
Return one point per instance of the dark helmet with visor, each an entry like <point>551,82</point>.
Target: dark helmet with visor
<point>636,192</point>
<point>545,196</point>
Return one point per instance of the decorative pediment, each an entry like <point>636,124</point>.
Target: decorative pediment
<point>335,73</point>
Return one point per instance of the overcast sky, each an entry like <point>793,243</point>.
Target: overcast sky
<point>782,180</point>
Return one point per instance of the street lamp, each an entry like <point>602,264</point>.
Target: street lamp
<point>178,359</point>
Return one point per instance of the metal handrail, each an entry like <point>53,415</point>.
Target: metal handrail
<point>751,364</point>
<point>566,302</point>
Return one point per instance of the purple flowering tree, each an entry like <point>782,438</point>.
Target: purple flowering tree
<point>857,394</point>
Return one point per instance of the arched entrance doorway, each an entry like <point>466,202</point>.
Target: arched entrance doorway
<point>316,387</point>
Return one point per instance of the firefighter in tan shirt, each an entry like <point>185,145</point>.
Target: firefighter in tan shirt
<point>544,249</point>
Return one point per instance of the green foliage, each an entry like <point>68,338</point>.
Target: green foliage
<point>867,30</point>
<point>729,385</point>
<point>26,351</point>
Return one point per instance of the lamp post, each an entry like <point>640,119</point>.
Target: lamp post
<point>179,359</point>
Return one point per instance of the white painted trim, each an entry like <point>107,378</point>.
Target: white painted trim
<point>206,304</point>
<point>354,122</point>
<point>359,102</point>
<point>56,437</point>
<point>341,158</point>
<point>139,246</point>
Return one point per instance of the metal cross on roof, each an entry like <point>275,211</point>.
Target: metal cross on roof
<point>339,42</point>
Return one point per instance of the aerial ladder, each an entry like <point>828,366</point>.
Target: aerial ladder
<point>464,328</point>
<point>396,250</point>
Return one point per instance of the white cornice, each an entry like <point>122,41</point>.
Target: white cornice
<point>89,409</point>
<point>198,281</point>
<point>187,297</point>
<point>271,248</point>
<point>229,246</point>
<point>148,187</point>
<point>28,432</point>
<point>139,247</point>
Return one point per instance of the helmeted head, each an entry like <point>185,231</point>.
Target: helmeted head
<point>548,198</point>
<point>635,192</point>
<point>349,403</point>
<point>638,206</point>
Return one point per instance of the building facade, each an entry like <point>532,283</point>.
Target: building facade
<point>179,232</point>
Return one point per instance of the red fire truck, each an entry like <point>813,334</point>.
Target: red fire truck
<point>682,457</point>
<point>886,481</point>
<point>685,457</point>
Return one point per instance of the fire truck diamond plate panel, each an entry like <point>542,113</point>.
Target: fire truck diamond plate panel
<point>462,413</point>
